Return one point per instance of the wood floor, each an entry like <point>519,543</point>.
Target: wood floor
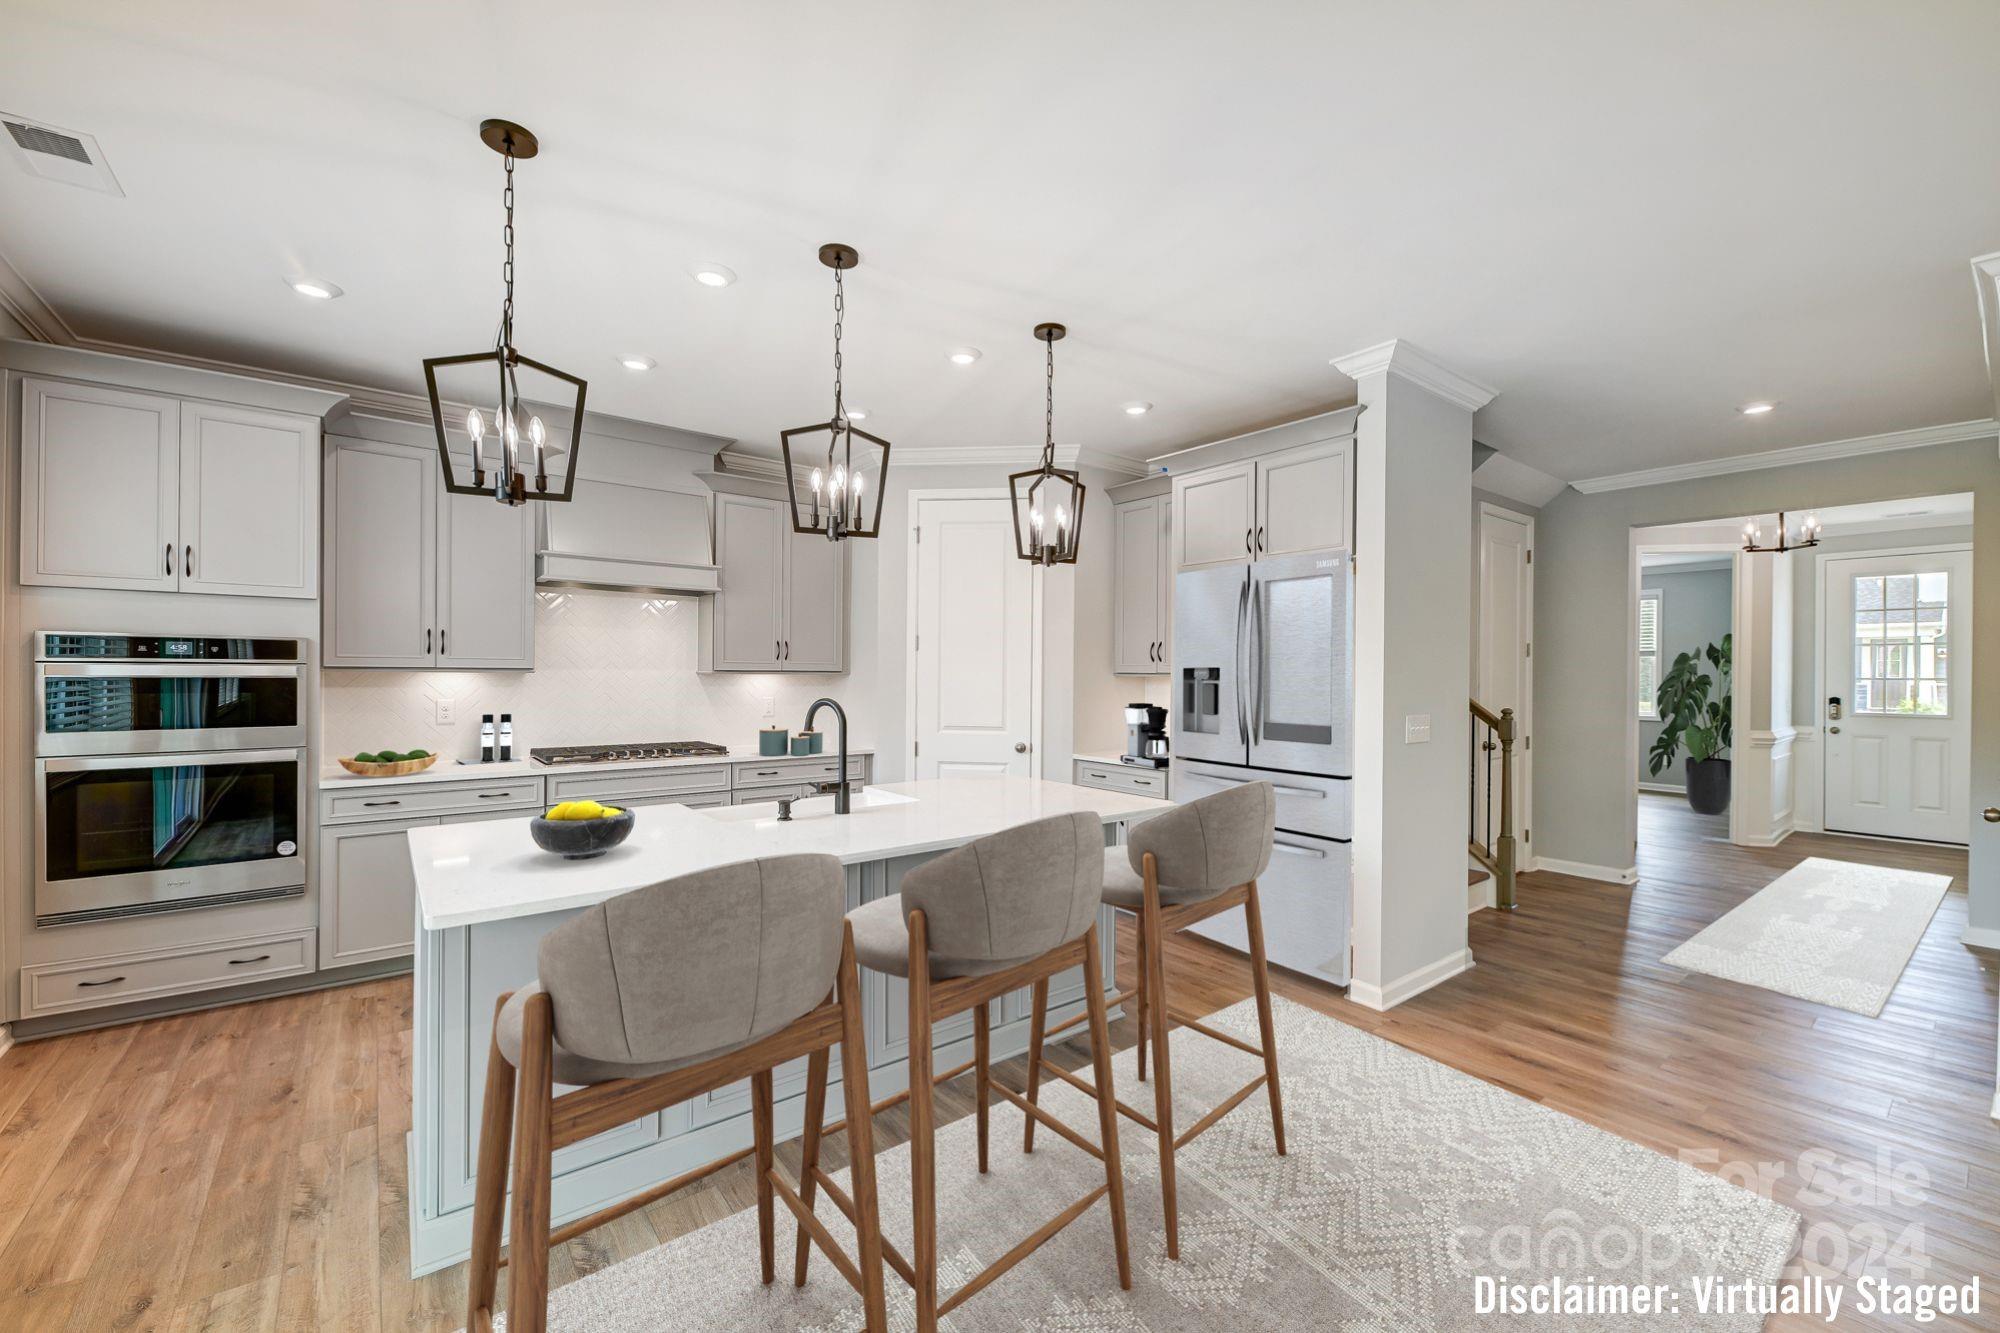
<point>243,1167</point>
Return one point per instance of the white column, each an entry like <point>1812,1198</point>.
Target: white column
<point>1412,665</point>
<point>1760,771</point>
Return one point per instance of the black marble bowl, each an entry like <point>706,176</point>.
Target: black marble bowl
<point>581,839</point>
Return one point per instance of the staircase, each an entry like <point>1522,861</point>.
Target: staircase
<point>1489,802</point>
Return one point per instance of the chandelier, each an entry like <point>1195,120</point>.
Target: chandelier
<point>1047,500</point>
<point>520,442</point>
<point>1753,535</point>
<point>837,506</point>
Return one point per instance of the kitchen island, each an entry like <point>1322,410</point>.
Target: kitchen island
<point>486,895</point>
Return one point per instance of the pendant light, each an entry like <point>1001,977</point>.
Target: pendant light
<point>1808,535</point>
<point>520,443</point>
<point>1048,500</point>
<point>837,505</point>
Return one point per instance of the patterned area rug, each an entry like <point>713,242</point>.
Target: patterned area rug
<point>1829,931</point>
<point>1406,1180</point>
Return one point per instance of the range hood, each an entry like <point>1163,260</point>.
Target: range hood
<point>626,538</point>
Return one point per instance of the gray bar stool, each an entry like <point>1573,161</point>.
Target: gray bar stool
<point>970,925</point>
<point>645,1001</point>
<point>1178,868</point>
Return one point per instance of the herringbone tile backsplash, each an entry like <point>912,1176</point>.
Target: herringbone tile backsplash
<point>609,667</point>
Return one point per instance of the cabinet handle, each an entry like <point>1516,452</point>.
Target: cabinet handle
<point>494,795</point>
<point>443,638</point>
<point>187,560</point>
<point>372,803</point>
<point>1260,538</point>
<point>108,981</point>
<point>766,773</point>
<point>240,962</point>
<point>427,640</point>
<point>170,557</point>
<point>1248,546</point>
<point>1142,782</point>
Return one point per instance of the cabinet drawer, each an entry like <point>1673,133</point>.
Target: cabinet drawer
<point>636,786</point>
<point>402,802</point>
<point>694,800</point>
<point>55,988</point>
<point>781,792</point>
<point>812,768</point>
<point>1123,777</point>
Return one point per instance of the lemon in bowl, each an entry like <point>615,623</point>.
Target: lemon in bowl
<point>579,830</point>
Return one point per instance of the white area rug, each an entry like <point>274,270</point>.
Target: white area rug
<point>1830,931</point>
<point>1406,1180</point>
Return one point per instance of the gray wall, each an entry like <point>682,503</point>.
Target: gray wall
<point>1694,612</point>
<point>1583,566</point>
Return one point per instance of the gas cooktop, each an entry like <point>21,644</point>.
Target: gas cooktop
<point>598,754</point>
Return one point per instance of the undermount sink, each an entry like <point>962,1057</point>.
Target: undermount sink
<point>812,807</point>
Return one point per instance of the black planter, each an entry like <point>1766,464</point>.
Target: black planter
<point>1708,785</point>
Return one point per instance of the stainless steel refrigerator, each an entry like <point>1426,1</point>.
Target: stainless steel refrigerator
<point>1263,690</point>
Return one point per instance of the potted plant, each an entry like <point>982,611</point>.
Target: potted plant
<point>1694,709</point>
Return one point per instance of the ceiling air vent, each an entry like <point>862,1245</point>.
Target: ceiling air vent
<point>59,155</point>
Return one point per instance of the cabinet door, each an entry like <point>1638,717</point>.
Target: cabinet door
<point>100,480</point>
<point>815,602</point>
<point>485,583</point>
<point>1215,515</point>
<point>367,892</point>
<point>750,535</point>
<point>1165,590</point>
<point>248,511</point>
<point>1303,499</point>
<point>1138,632</point>
<point>381,556</point>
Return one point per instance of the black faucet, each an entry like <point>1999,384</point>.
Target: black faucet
<point>840,801</point>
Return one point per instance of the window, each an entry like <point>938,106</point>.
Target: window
<point>1649,652</point>
<point>1902,653</point>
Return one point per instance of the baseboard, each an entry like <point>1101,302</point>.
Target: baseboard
<point>1480,896</point>
<point>1765,839</point>
<point>6,1039</point>
<point>1585,870</point>
<point>1977,937</point>
<point>1663,789</point>
<point>1410,984</point>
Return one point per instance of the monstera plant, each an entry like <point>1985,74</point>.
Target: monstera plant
<point>1694,710</point>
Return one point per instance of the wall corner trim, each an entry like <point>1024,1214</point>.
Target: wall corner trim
<point>1410,984</point>
<point>1399,356</point>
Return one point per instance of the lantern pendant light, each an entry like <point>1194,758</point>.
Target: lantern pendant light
<point>521,443</point>
<point>837,505</point>
<point>1048,500</point>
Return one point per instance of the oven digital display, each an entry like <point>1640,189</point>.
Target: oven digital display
<point>177,648</point>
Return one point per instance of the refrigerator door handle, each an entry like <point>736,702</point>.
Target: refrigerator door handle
<point>1257,648</point>
<point>1242,647</point>
<point>1294,849</point>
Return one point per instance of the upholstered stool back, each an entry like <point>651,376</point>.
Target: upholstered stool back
<point>1207,846</point>
<point>1013,895</point>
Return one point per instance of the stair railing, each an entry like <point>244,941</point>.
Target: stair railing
<point>1490,781</point>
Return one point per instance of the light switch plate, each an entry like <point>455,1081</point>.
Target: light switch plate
<point>1417,729</point>
<point>446,710</point>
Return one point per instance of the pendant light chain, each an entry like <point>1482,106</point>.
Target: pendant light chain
<point>839,318</point>
<point>507,265</point>
<point>1049,413</point>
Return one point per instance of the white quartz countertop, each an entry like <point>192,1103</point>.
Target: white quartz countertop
<point>491,870</point>
<point>450,770</point>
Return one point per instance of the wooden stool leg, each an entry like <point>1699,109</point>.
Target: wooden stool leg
<point>1107,1106</point>
<point>1163,1078</point>
<point>528,1261</point>
<point>923,1131</point>
<point>1260,977</point>
<point>815,1122</point>
<point>1145,985</point>
<point>982,1084</point>
<point>860,1139</point>
<point>767,1196</point>
<point>1038,1023</point>
<point>496,1129</point>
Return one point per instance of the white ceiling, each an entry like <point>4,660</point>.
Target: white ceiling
<point>1627,218</point>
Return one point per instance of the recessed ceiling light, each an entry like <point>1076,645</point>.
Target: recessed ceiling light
<point>713,275</point>
<point>964,356</point>
<point>316,288</point>
<point>1756,409</point>
<point>637,362</point>
<point>1137,409</point>
<point>857,414</point>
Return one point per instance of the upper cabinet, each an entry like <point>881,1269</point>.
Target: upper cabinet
<point>417,577</point>
<point>1142,587</point>
<point>153,492</point>
<point>783,604</point>
<point>1293,500</point>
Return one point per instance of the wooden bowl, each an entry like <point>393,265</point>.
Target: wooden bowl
<point>402,768</point>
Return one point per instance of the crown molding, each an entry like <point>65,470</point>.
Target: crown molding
<point>1922,437</point>
<point>1986,277</point>
<point>1399,356</point>
<point>19,298</point>
<point>1011,458</point>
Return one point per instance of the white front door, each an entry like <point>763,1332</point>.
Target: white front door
<point>1506,624</point>
<point>976,631</point>
<point>1896,655</point>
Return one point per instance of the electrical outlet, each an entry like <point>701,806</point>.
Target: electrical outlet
<point>1417,729</point>
<point>446,710</point>
<point>770,705</point>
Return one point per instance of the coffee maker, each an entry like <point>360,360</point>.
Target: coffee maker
<point>1145,736</point>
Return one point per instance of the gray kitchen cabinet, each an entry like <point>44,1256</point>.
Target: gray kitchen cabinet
<point>1215,513</point>
<point>248,521</point>
<point>157,493</point>
<point>1295,500</point>
<point>1142,587</point>
<point>367,891</point>
<point>783,603</point>
<point>417,577</point>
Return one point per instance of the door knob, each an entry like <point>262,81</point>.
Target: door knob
<point>1992,815</point>
<point>1020,747</point>
<point>1835,731</point>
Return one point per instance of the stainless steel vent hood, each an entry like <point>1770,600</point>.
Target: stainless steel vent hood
<point>627,538</point>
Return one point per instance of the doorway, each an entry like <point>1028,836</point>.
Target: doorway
<point>1895,675</point>
<point>1683,649</point>
<point>1503,676</point>
<point>975,640</point>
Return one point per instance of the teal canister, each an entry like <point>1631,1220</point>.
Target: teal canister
<point>771,740</point>
<point>802,744</point>
<point>819,741</point>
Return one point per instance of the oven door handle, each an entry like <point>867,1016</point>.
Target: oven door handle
<point>96,762</point>
<point>168,670</point>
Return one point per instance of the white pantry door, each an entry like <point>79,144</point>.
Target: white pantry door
<point>975,628</point>
<point>1897,635</point>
